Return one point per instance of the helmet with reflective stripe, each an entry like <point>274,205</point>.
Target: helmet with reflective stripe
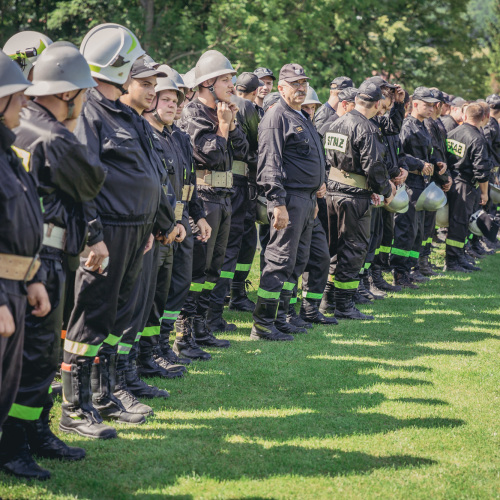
<point>25,48</point>
<point>12,79</point>
<point>311,97</point>
<point>211,65</point>
<point>61,68</point>
<point>110,50</point>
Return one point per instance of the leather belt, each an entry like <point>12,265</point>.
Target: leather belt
<point>348,178</point>
<point>18,268</point>
<point>54,236</point>
<point>240,168</point>
<point>214,179</point>
<point>415,172</point>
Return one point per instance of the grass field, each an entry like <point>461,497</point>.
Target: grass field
<point>405,406</point>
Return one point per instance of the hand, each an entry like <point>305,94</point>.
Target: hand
<point>442,167</point>
<point>399,94</point>
<point>224,114</point>
<point>98,253</point>
<point>234,109</point>
<point>181,233</point>
<point>401,178</point>
<point>446,187</point>
<point>205,230</point>
<point>171,236</point>
<point>7,325</point>
<point>316,210</point>
<point>375,199</point>
<point>484,199</point>
<point>280,217</point>
<point>321,191</point>
<point>39,300</point>
<point>428,169</point>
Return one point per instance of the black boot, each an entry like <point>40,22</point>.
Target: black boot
<point>204,336</point>
<point>362,295</point>
<point>281,322</point>
<point>122,393</point>
<point>185,345</point>
<point>15,455</point>
<point>468,265</point>
<point>417,277</point>
<point>103,383</point>
<point>215,322</point>
<point>367,284</point>
<point>138,387</point>
<point>327,305</point>
<point>425,266</point>
<point>345,306</point>
<point>168,353</point>
<point>147,365</point>
<point>296,320</point>
<point>165,363</point>
<point>239,298</point>
<point>403,280</point>
<point>264,316</point>
<point>309,311</point>
<point>378,281</point>
<point>44,443</point>
<point>78,414</point>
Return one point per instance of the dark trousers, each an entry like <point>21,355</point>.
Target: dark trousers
<point>42,338</point>
<point>408,235</point>
<point>287,246</point>
<point>208,257</point>
<point>11,348</point>
<point>382,255</point>
<point>429,230</point>
<point>316,271</point>
<point>264,234</point>
<point>349,219</point>
<point>461,197</point>
<point>248,244</point>
<point>239,200</point>
<point>376,236</point>
<point>104,303</point>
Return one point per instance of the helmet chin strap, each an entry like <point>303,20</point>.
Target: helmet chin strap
<point>71,104</point>
<point>211,89</point>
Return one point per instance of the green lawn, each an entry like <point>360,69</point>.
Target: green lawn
<point>406,406</point>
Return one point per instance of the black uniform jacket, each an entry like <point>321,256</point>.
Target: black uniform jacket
<point>323,118</point>
<point>291,156</point>
<point>417,145</point>
<point>438,141</point>
<point>117,139</point>
<point>396,157</point>
<point>63,170</point>
<point>492,133</point>
<point>467,153</point>
<point>210,151</point>
<point>248,117</point>
<point>21,225</point>
<point>354,144</point>
<point>449,123</point>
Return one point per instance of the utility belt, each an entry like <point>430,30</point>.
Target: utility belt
<point>348,178</point>
<point>240,168</point>
<point>214,179</point>
<point>18,268</point>
<point>54,236</point>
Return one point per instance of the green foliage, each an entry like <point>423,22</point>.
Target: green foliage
<point>415,42</point>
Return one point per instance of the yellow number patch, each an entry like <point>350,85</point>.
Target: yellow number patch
<point>456,148</point>
<point>338,142</point>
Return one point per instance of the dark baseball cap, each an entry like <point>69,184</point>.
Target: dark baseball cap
<point>349,94</point>
<point>424,94</point>
<point>142,68</point>
<point>378,80</point>
<point>494,101</point>
<point>458,102</point>
<point>370,91</point>
<point>292,73</point>
<point>341,83</point>
<point>446,98</point>
<point>270,100</point>
<point>438,95</point>
<point>261,72</point>
<point>247,82</point>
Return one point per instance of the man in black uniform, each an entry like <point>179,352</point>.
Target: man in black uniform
<point>217,139</point>
<point>409,227</point>
<point>122,218</point>
<point>470,164</point>
<point>20,241</point>
<point>267,77</point>
<point>66,178</point>
<point>248,116</point>
<point>291,169</point>
<point>355,153</point>
<point>455,118</point>
<point>327,114</point>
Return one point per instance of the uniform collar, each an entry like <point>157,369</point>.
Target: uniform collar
<point>7,137</point>
<point>286,106</point>
<point>113,106</point>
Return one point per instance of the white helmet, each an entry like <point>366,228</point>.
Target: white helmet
<point>473,227</point>
<point>175,76</point>
<point>190,79</point>
<point>25,47</point>
<point>110,50</point>
<point>61,68</point>
<point>311,97</point>
<point>212,64</point>
<point>168,84</point>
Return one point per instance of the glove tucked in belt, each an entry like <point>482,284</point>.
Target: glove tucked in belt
<point>54,236</point>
